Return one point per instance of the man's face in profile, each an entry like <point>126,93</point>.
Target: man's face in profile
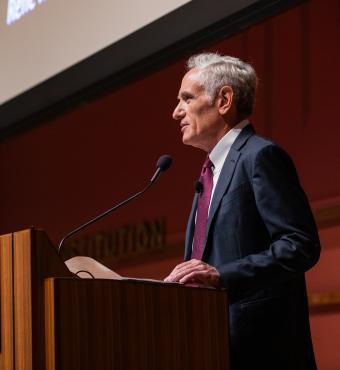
<point>199,117</point>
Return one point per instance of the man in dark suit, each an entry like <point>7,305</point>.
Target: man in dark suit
<point>251,229</point>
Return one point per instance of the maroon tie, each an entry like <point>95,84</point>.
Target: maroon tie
<point>202,210</point>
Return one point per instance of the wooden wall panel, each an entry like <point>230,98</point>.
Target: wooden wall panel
<point>60,174</point>
<point>83,161</point>
<point>6,298</point>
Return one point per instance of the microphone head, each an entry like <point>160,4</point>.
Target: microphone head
<point>164,162</point>
<point>198,186</point>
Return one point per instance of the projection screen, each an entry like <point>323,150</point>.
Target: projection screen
<point>50,50</point>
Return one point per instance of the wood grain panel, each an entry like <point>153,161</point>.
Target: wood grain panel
<point>45,262</point>
<point>6,353</point>
<point>22,300</point>
<point>126,325</point>
<point>27,258</point>
<point>49,324</point>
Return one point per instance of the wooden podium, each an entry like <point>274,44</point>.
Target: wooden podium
<point>52,320</point>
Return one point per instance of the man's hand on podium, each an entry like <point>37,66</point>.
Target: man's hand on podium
<point>195,272</point>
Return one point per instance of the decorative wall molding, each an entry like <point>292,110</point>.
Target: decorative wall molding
<point>328,216</point>
<point>324,302</point>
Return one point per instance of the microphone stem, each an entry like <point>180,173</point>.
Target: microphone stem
<point>88,223</point>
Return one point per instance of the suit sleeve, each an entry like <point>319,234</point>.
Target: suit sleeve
<point>285,212</point>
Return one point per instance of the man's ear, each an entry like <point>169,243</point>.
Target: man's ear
<point>225,99</point>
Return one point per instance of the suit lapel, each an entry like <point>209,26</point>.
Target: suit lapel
<point>227,173</point>
<point>221,187</point>
<point>223,183</point>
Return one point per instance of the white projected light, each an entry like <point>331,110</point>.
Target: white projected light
<point>56,52</point>
<point>17,8</point>
<point>43,38</point>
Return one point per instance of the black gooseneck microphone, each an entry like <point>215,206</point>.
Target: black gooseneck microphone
<point>163,163</point>
<point>198,186</point>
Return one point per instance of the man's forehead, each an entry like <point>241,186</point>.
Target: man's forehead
<point>190,81</point>
<point>192,75</point>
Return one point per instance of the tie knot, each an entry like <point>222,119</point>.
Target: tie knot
<point>207,163</point>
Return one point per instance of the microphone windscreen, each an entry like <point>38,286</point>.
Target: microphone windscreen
<point>198,186</point>
<point>164,162</point>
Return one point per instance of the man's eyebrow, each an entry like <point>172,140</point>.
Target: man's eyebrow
<point>185,95</point>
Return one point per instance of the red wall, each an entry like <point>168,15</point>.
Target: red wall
<point>60,174</point>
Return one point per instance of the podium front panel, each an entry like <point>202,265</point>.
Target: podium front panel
<point>123,325</point>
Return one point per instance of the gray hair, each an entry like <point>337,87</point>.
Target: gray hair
<point>217,71</point>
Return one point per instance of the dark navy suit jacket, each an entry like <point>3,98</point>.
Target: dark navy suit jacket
<point>261,237</point>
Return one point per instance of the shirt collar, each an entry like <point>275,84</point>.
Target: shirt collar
<point>221,149</point>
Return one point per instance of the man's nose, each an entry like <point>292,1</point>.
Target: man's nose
<point>178,113</point>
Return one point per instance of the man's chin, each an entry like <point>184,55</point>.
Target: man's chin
<point>195,144</point>
<point>191,143</point>
<point>187,140</point>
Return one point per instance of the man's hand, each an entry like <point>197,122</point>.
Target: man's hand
<point>195,272</point>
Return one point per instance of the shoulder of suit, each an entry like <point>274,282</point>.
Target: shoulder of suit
<point>258,146</point>
<point>257,142</point>
<point>250,144</point>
